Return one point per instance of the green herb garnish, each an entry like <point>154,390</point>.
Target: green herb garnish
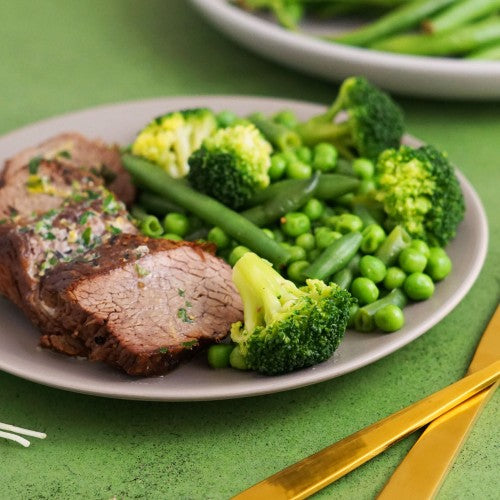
<point>33,164</point>
<point>183,315</point>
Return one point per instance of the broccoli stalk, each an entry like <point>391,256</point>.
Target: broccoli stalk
<point>362,121</point>
<point>231,165</point>
<point>286,328</point>
<point>419,191</point>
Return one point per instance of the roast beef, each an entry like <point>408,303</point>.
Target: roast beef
<point>30,246</point>
<point>42,186</point>
<point>74,150</point>
<point>140,304</point>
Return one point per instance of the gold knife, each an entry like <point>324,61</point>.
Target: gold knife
<point>422,471</point>
<point>317,471</point>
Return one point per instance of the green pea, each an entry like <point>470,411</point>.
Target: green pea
<point>418,286</point>
<point>295,270</point>
<point>226,118</point>
<point>176,223</point>
<point>286,117</point>
<point>314,209</point>
<point>219,237</point>
<point>150,226</point>
<point>394,278</point>
<point>218,355</point>
<point>236,359</point>
<point>236,253</point>
<point>296,253</point>
<point>298,170</point>
<point>306,241</point>
<point>389,318</point>
<point>295,223</point>
<point>373,236</point>
<point>372,268</point>
<point>326,237</point>
<point>363,168</point>
<point>365,290</point>
<point>304,154</point>
<point>412,261</point>
<point>325,157</point>
<point>421,247</point>
<point>348,223</point>
<point>439,264</point>
<point>278,166</point>
<point>171,236</point>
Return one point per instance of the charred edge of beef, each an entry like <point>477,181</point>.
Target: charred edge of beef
<point>142,304</point>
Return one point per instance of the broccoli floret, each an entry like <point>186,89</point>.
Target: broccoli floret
<point>231,165</point>
<point>420,191</point>
<point>170,139</point>
<point>285,327</point>
<point>362,121</point>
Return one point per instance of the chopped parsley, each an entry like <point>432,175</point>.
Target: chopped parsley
<point>114,230</point>
<point>87,236</point>
<point>181,292</point>
<point>162,350</point>
<point>49,236</point>
<point>190,343</point>
<point>183,315</point>
<point>83,219</point>
<point>33,164</point>
<point>64,154</point>
<point>141,271</point>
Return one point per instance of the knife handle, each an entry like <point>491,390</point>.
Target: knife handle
<point>317,471</point>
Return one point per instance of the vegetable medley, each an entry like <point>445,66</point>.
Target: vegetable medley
<point>329,223</point>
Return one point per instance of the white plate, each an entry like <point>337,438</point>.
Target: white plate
<point>411,75</point>
<point>20,355</point>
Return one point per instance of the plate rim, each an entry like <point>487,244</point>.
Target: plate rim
<point>236,22</point>
<point>288,382</point>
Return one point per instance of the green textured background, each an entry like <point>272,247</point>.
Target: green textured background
<point>60,56</point>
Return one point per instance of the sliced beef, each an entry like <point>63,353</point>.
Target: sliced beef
<point>43,186</point>
<point>33,245</point>
<point>141,304</point>
<point>75,150</point>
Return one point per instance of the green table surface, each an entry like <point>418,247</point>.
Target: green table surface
<point>61,56</point>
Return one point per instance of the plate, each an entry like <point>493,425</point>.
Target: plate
<point>194,381</point>
<point>410,75</point>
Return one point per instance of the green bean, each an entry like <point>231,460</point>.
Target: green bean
<point>157,204</point>
<point>460,14</point>
<point>330,186</point>
<point>343,278</point>
<point>206,208</point>
<point>397,240</point>
<point>364,214</point>
<point>277,134</point>
<point>364,321</point>
<point>335,257</point>
<point>283,202</point>
<point>459,41</point>
<point>395,21</point>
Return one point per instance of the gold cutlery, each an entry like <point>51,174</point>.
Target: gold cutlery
<point>422,471</point>
<point>313,473</point>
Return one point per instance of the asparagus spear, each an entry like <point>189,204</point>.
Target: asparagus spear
<point>459,41</point>
<point>397,20</point>
<point>460,14</point>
